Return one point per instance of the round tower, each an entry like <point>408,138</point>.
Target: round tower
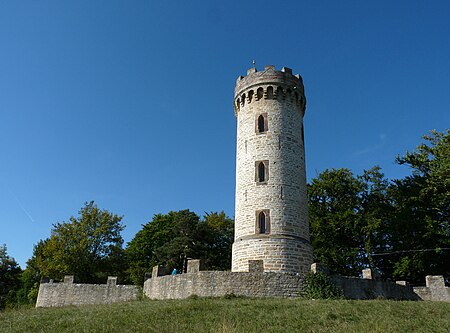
<point>271,217</point>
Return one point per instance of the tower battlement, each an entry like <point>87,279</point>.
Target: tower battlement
<point>269,84</point>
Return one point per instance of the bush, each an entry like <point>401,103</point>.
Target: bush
<point>319,286</point>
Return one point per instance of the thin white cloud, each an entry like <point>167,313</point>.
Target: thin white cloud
<point>370,149</point>
<point>22,207</point>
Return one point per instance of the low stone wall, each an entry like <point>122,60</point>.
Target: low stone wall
<point>357,288</point>
<point>435,289</point>
<point>69,293</point>
<point>255,283</point>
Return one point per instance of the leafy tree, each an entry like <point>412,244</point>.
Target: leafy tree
<point>420,229</point>
<point>170,239</point>
<point>375,216</point>
<point>167,240</point>
<point>334,204</point>
<point>349,218</point>
<point>89,246</point>
<point>217,232</point>
<point>401,228</point>
<point>9,276</point>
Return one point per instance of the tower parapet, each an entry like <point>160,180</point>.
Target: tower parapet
<point>269,84</point>
<point>271,218</point>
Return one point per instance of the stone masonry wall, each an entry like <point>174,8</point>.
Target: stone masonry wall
<point>357,288</point>
<point>279,97</point>
<point>257,283</point>
<point>435,289</point>
<point>216,284</point>
<point>370,286</point>
<point>69,293</point>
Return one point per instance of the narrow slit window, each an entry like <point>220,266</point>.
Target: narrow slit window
<point>261,172</point>
<point>262,223</point>
<point>261,127</point>
<point>261,123</point>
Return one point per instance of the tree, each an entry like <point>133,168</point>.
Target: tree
<point>89,247</point>
<point>348,219</point>
<point>401,228</point>
<point>334,204</point>
<point>170,239</point>
<point>217,231</point>
<point>167,240</point>
<point>375,217</point>
<point>420,230</point>
<point>9,275</point>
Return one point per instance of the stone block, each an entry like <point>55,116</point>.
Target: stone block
<point>157,271</point>
<point>112,281</point>
<point>369,274</point>
<point>251,71</point>
<point>68,279</point>
<point>402,283</point>
<point>256,266</point>
<point>435,281</point>
<point>193,266</point>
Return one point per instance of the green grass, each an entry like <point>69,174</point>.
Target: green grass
<point>234,315</point>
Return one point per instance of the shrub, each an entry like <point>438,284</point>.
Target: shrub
<point>319,286</point>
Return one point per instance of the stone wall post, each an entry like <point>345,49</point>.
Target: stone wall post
<point>369,274</point>
<point>68,279</point>
<point>157,271</point>
<point>193,266</point>
<point>112,281</point>
<point>435,281</point>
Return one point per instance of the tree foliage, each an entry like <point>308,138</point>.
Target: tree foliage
<point>400,228</point>
<point>420,234</point>
<point>9,275</point>
<point>333,209</point>
<point>347,217</point>
<point>170,239</point>
<point>88,246</point>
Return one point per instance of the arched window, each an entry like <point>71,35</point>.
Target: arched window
<point>260,93</point>
<point>261,172</point>
<point>269,92</point>
<point>261,127</point>
<point>262,223</point>
<point>261,123</point>
<point>250,96</point>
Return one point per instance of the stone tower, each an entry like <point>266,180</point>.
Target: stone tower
<point>271,218</point>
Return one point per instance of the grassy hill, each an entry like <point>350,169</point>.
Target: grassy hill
<point>235,315</point>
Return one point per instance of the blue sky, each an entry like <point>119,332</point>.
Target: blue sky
<point>129,103</point>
